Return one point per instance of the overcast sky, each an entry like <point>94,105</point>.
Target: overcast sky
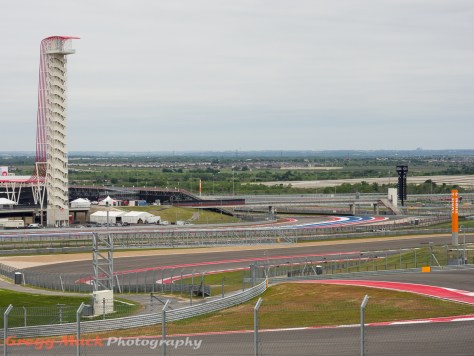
<point>246,75</point>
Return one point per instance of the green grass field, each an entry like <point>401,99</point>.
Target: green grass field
<point>299,305</point>
<point>8,297</point>
<point>462,222</point>
<point>39,309</point>
<point>173,214</point>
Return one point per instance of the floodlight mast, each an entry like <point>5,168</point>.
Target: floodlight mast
<point>51,138</point>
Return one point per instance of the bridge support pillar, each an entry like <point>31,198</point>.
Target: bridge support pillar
<point>376,209</point>
<point>352,208</point>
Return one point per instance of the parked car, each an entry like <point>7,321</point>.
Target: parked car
<point>34,226</point>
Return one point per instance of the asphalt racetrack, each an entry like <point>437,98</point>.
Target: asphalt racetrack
<point>238,257</point>
<point>439,338</point>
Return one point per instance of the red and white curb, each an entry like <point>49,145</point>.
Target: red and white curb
<point>454,295</point>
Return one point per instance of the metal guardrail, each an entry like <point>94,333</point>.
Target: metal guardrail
<point>140,320</point>
<point>44,242</point>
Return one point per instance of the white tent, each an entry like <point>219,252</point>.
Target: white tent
<point>5,201</point>
<point>109,200</point>
<point>81,203</point>
<point>100,217</point>
<point>140,217</point>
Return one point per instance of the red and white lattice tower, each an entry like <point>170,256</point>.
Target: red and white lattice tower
<point>51,139</point>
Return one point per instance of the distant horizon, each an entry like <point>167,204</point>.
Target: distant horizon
<point>272,153</point>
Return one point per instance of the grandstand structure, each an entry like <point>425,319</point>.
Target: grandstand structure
<point>49,181</point>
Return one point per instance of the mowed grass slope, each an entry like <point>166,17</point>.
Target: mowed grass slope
<point>172,214</point>
<point>298,305</point>
<point>18,299</point>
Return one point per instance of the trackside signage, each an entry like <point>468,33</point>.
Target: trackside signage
<point>454,211</point>
<point>3,171</point>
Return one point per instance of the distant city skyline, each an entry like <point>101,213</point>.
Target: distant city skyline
<point>248,75</point>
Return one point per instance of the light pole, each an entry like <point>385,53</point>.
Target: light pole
<point>107,204</point>
<point>464,244</point>
<point>233,181</point>
<point>213,184</point>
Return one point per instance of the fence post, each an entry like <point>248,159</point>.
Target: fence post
<point>5,329</point>
<point>78,322</point>
<point>223,279</point>
<point>171,281</point>
<point>253,269</point>
<point>24,316</point>
<point>163,327</point>
<point>202,286</point>
<point>60,313</point>
<point>431,253</point>
<point>255,326</point>
<point>118,284</point>
<point>192,288</point>
<point>362,324</point>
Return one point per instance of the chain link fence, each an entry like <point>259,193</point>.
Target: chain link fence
<point>357,263</point>
<point>21,316</point>
<point>182,281</point>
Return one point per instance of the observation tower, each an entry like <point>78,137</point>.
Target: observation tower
<point>51,137</point>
